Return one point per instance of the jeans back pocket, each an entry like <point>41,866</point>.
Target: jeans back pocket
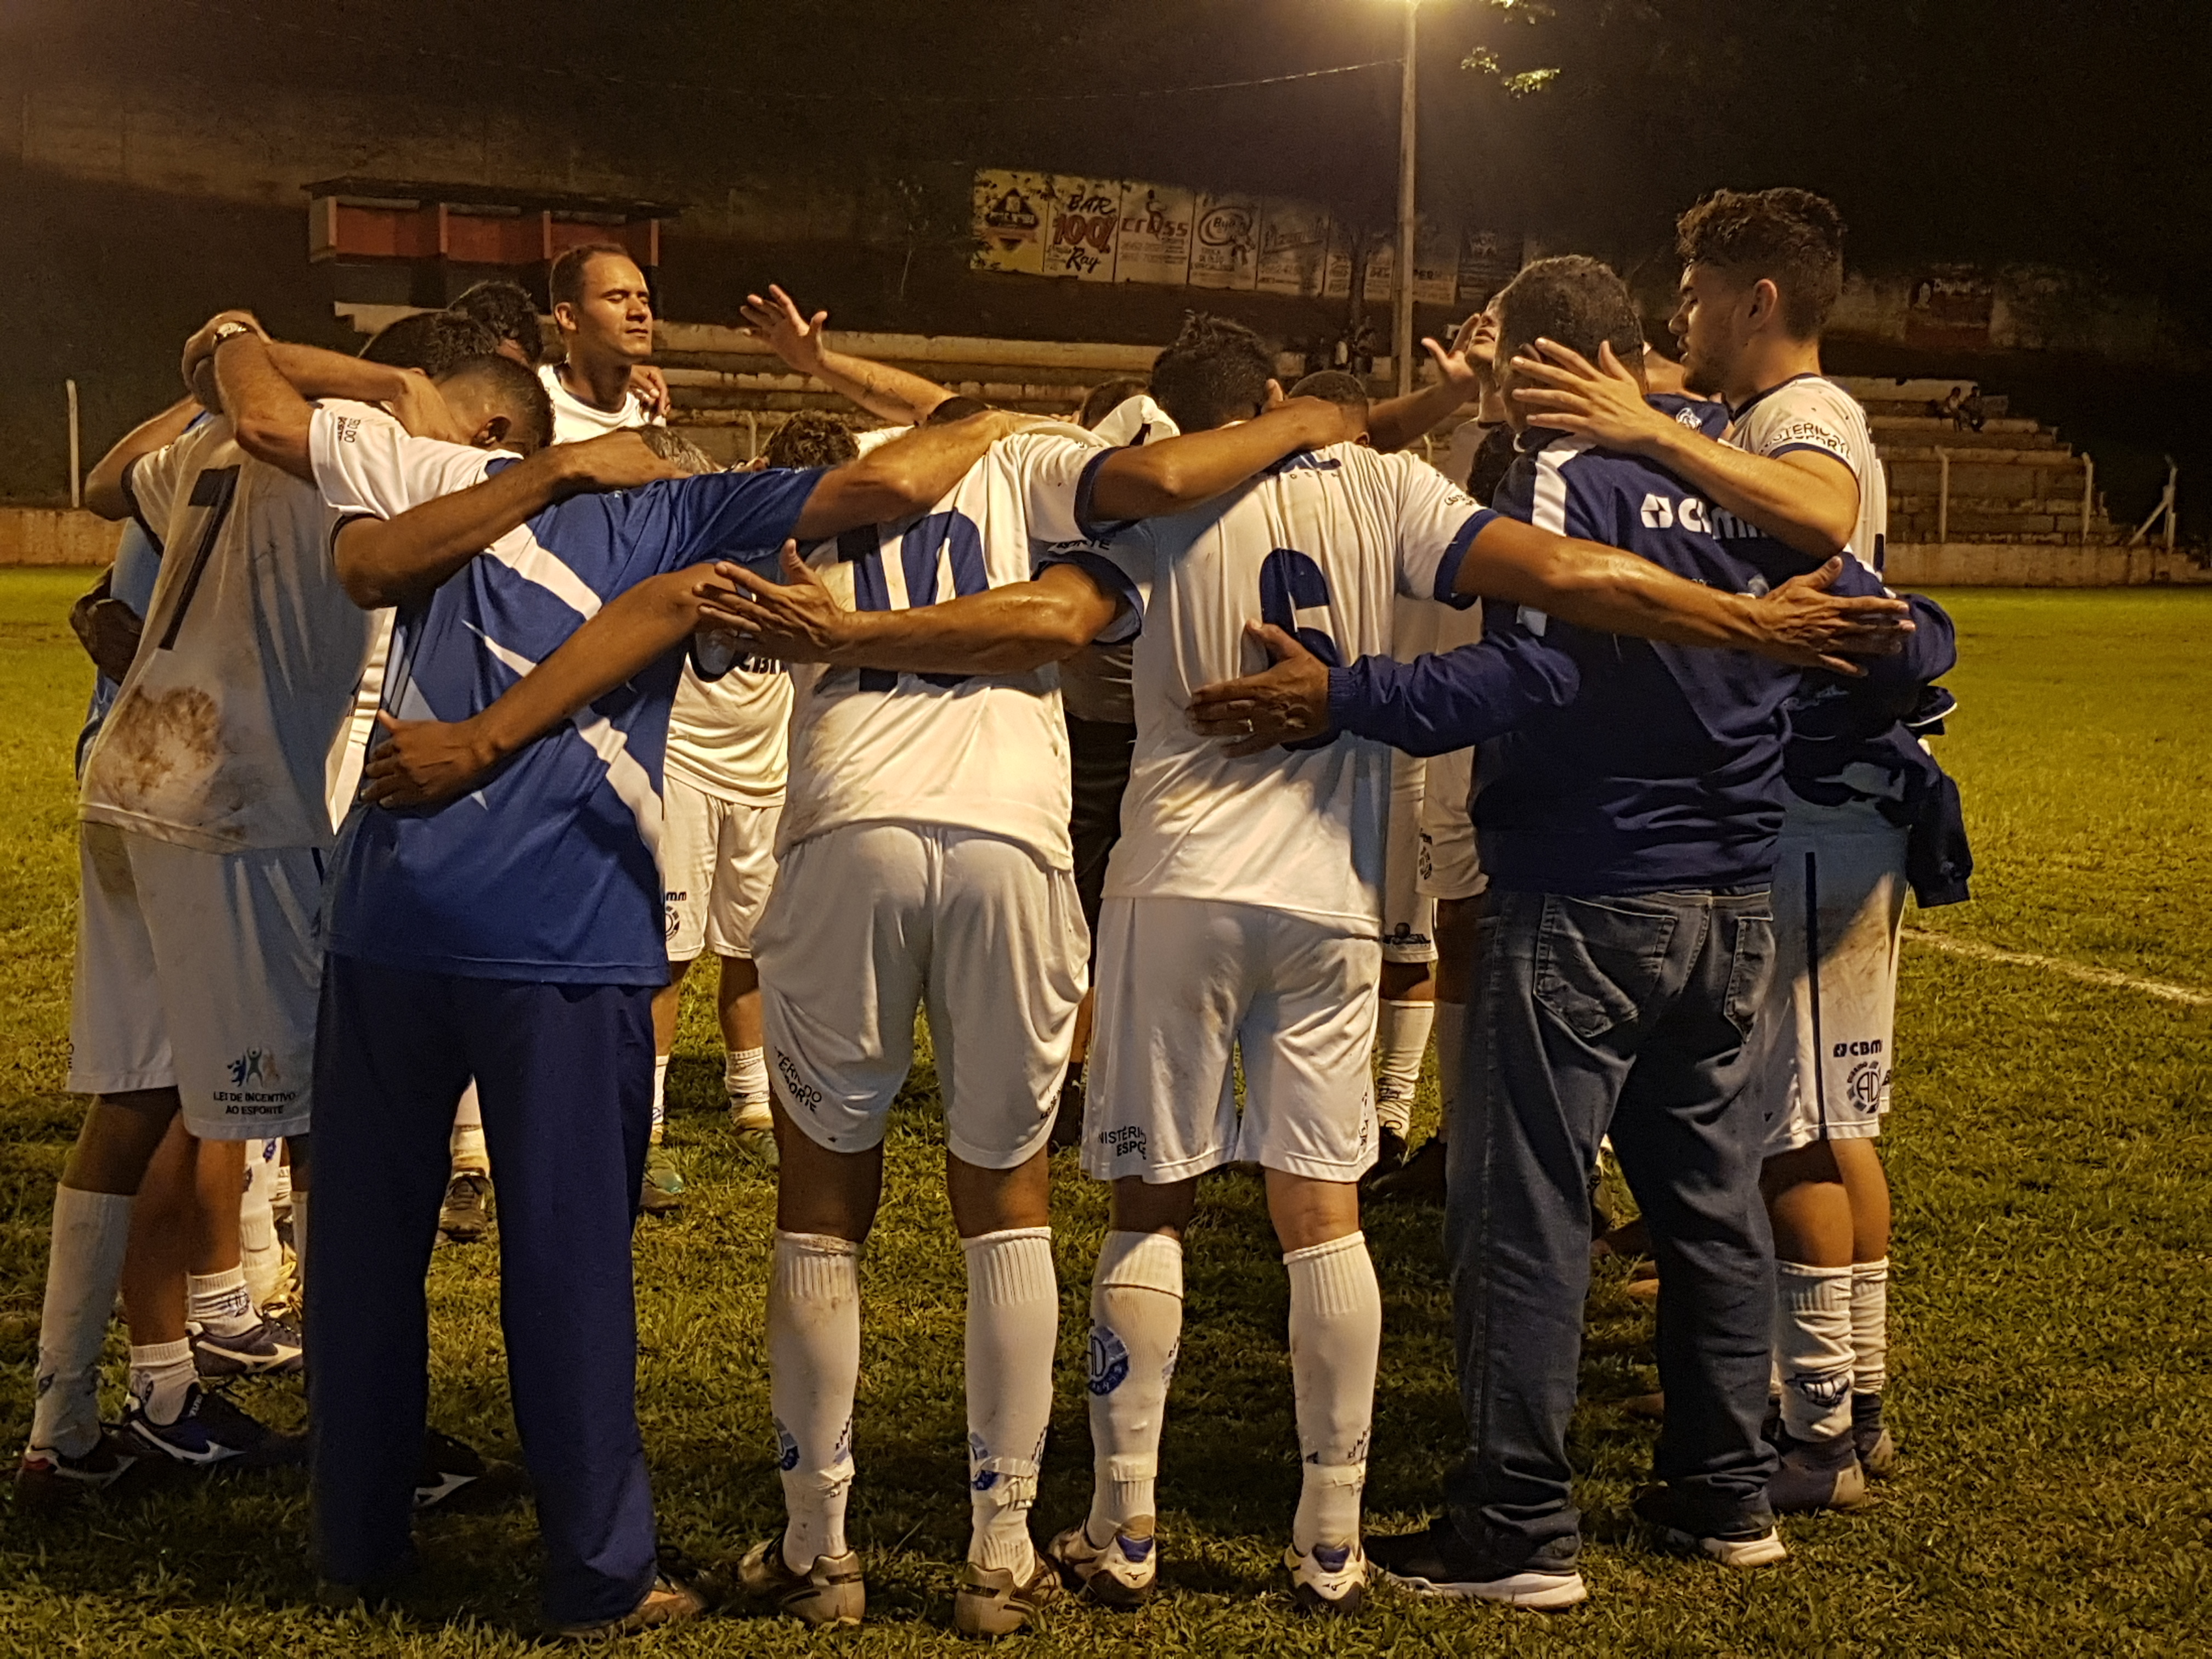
<point>1599,961</point>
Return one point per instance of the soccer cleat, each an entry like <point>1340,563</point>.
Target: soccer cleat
<point>998,1600</point>
<point>1442,1563</point>
<point>465,1216</point>
<point>673,1598</point>
<point>210,1432</point>
<point>455,1476</point>
<point>1750,1543</point>
<point>1123,1573</point>
<point>831,1592</point>
<point>662,1190</point>
<point>271,1348</point>
<point>1329,1580</point>
<point>1816,1474</point>
<point>1877,1450</point>
<point>47,1479</point>
<point>1390,1157</point>
<point>1420,1181</point>
<point>754,1137</point>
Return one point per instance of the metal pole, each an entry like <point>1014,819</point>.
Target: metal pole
<point>2088,494</point>
<point>1943,498</point>
<point>77,450</point>
<point>2172,500</point>
<point>1401,329</point>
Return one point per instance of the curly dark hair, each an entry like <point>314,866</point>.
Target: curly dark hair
<point>1791,238</point>
<point>1574,299</point>
<point>1216,372</point>
<point>509,310</point>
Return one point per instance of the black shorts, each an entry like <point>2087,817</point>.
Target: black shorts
<point>1099,756</point>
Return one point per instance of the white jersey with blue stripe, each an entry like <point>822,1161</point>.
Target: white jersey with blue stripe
<point>1321,545</point>
<point>1810,413</point>
<point>548,870</point>
<point>987,752</point>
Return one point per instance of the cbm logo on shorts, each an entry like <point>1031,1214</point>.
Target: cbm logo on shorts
<point>1109,1361</point>
<point>1846,1050</point>
<point>1867,1080</point>
<point>671,901</point>
<point>1125,1140</point>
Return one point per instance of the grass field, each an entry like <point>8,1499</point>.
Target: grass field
<point>2051,1150</point>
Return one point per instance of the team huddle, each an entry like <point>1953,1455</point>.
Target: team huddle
<point>1167,762</point>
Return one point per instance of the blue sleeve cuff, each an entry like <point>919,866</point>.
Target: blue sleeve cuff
<point>1115,580</point>
<point>1086,487</point>
<point>1813,449</point>
<point>138,513</point>
<point>1447,591</point>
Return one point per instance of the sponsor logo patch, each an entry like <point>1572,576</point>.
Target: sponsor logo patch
<point>804,1093</point>
<point>1125,1140</point>
<point>1109,1361</point>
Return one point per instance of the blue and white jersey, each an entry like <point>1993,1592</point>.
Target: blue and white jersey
<point>549,870</point>
<point>129,581</point>
<point>1323,544</point>
<point>1665,768</point>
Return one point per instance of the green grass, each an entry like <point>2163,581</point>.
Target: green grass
<point>2051,1152</point>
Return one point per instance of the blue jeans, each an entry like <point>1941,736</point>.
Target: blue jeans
<point>1633,1016</point>
<point>565,1074</point>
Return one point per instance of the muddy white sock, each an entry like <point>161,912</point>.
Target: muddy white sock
<point>1013,1326</point>
<point>814,1366</point>
<point>660,1096</point>
<point>1336,1342</point>
<point>160,1374</point>
<point>1136,1325</point>
<point>469,1150</point>
<point>219,1303</point>
<point>1450,1030</point>
<point>259,1253</point>
<point>84,1272</point>
<point>1869,1326</point>
<point>1401,1035</point>
<point>745,1077</point>
<point>1812,1346</point>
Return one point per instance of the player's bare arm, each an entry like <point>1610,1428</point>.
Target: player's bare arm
<point>1807,501</point>
<point>902,476</point>
<point>103,486</point>
<point>1179,473</point>
<point>889,394</point>
<point>1397,421</point>
<point>1005,630</point>
<point>266,387</point>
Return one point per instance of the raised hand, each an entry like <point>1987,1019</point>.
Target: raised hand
<point>777,324</point>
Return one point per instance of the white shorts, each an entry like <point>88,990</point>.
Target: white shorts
<point>1838,901</point>
<point>1409,917</point>
<point>717,864</point>
<point>869,922</point>
<point>200,971</point>
<point>1184,983</point>
<point>1449,868</point>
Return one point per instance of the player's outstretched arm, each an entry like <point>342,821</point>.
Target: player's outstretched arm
<point>104,493</point>
<point>1003,630</point>
<point>383,561</point>
<point>888,393</point>
<point>1179,473</point>
<point>1807,500</point>
<point>427,762</point>
<point>1800,623</point>
<point>1396,423</point>
<point>902,476</point>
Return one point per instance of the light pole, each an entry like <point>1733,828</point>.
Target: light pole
<point>1402,318</point>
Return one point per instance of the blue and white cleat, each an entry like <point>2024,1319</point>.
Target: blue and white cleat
<point>47,1479</point>
<point>210,1432</point>
<point>271,1348</point>
<point>1123,1572</point>
<point>1329,1580</point>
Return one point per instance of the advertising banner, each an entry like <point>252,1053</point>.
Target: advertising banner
<point>1294,248</point>
<point>1224,244</point>
<point>1154,244</point>
<point>1488,259</point>
<point>1011,211</point>
<point>1086,222</point>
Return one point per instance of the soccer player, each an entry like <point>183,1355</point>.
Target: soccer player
<point>602,309</point>
<point>1761,271</point>
<point>440,927</point>
<point>1627,808</point>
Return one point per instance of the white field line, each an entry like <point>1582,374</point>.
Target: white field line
<point>2081,970</point>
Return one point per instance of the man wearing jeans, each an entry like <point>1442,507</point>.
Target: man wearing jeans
<point>1627,804</point>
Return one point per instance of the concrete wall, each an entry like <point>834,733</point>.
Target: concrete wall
<point>1967,564</point>
<point>34,535</point>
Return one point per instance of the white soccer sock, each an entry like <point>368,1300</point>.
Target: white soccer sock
<point>1813,1344</point>
<point>259,1253</point>
<point>83,1272</point>
<point>660,1096</point>
<point>814,1366</point>
<point>1013,1326</point>
<point>1451,1052</point>
<point>1869,1326</point>
<point>1136,1325</point>
<point>1336,1342</point>
<point>219,1302</point>
<point>1402,1037</point>
<point>470,1151</point>
<point>745,1078</point>
<point>160,1374</point>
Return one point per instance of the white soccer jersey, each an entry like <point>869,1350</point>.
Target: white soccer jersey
<point>223,726</point>
<point>1813,413</point>
<point>1321,543</point>
<point>575,420</point>
<point>973,751</point>
<point>731,737</point>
